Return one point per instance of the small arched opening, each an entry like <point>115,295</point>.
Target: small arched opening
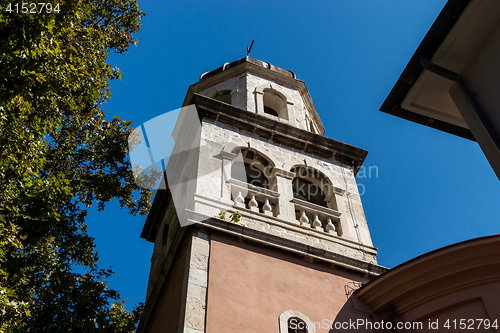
<point>275,104</point>
<point>296,325</point>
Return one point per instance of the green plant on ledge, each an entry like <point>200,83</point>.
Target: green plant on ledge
<point>235,217</point>
<point>222,214</point>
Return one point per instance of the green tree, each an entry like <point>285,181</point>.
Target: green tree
<point>59,155</point>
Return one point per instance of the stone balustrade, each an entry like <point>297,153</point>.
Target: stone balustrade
<point>321,218</point>
<point>265,201</point>
<point>255,198</point>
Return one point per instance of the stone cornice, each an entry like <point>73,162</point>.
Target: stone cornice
<point>209,224</point>
<point>227,155</point>
<point>280,133</point>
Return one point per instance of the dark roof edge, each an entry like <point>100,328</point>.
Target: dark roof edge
<point>431,122</point>
<point>151,225</point>
<point>429,45</point>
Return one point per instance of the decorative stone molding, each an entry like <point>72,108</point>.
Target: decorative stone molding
<point>284,173</point>
<point>268,129</point>
<point>227,155</point>
<point>285,316</point>
<point>289,226</point>
<point>338,191</point>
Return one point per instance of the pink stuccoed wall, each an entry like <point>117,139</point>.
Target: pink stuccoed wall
<point>249,286</point>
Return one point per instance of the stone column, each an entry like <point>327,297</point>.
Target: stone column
<point>285,189</point>
<point>195,298</point>
<point>235,97</point>
<point>338,195</point>
<point>346,223</point>
<point>227,159</point>
<point>259,100</point>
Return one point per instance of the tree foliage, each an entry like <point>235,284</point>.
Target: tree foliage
<point>59,155</point>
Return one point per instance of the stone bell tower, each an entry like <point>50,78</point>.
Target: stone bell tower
<point>276,226</point>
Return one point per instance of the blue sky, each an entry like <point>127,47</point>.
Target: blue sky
<point>431,189</point>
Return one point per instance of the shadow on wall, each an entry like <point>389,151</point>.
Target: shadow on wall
<point>355,317</point>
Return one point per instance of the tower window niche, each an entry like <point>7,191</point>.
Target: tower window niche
<point>275,104</point>
<point>223,96</point>
<point>313,186</point>
<point>256,170</point>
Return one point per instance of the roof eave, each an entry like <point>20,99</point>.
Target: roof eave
<point>429,45</point>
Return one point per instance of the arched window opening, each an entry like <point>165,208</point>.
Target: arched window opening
<point>223,96</point>
<point>251,173</point>
<point>296,325</point>
<point>256,176</point>
<point>313,186</point>
<point>306,190</point>
<point>275,104</point>
<point>256,169</point>
<point>314,199</point>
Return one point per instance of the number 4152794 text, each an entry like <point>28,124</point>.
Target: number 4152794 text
<point>32,8</point>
